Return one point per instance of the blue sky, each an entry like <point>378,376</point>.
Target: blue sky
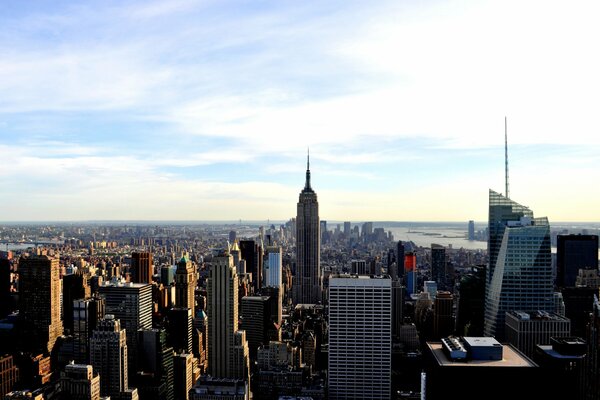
<point>203,110</point>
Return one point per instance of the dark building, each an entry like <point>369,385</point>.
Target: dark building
<point>86,314</point>
<point>180,327</point>
<point>579,303</point>
<point>574,252</point>
<point>154,379</point>
<point>443,319</point>
<point>142,267</point>
<point>5,284</point>
<point>307,282</point>
<point>75,287</point>
<point>9,374</point>
<point>438,265</point>
<point>40,309</point>
<point>256,321</point>
<point>399,261</point>
<point>562,361</point>
<point>471,301</point>
<point>481,375</point>
<point>251,252</point>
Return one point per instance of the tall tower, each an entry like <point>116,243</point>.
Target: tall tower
<point>185,284</point>
<point>108,356</point>
<point>142,267</point>
<point>521,263</point>
<point>222,316</point>
<point>39,302</point>
<point>360,338</point>
<point>307,285</point>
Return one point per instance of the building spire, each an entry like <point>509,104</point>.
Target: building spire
<point>506,193</point>
<point>307,184</point>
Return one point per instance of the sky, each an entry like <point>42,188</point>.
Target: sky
<point>204,110</point>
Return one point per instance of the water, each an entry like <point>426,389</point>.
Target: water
<point>446,236</point>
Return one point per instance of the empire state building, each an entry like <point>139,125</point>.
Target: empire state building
<point>307,283</point>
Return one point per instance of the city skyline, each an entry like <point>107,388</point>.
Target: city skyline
<point>194,110</point>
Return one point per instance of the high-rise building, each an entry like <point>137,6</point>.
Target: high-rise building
<point>471,233</point>
<point>273,267</point>
<point>74,287</point>
<point>79,382</point>
<point>180,328</point>
<point>360,331</point>
<point>399,272</point>
<point>255,320</point>
<point>5,283</point>
<point>108,356</point>
<point>183,366</point>
<point>438,265</point>
<point>185,284</point>
<point>307,284</point>
<point>155,377</point>
<point>471,303</point>
<point>347,228</point>
<point>131,304</point>
<point>359,267</point>
<point>86,314</point>
<point>522,273</point>
<point>251,252</point>
<point>443,320</point>
<point>574,252</point>
<point>142,267</point>
<point>579,304</point>
<point>39,302</point>
<point>9,374</point>
<point>222,316</point>
<point>526,330</point>
<point>410,272</point>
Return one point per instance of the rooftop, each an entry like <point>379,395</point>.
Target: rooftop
<point>511,358</point>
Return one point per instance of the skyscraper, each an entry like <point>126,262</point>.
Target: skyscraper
<point>251,253</point>
<point>155,378</point>
<point>108,356</point>
<point>273,267</point>
<point>131,304</point>
<point>574,252</point>
<point>522,276</point>
<point>360,332</point>
<point>438,265</point>
<point>307,284</point>
<point>471,233</point>
<point>39,302</point>
<point>79,382</point>
<point>222,316</point>
<point>142,267</point>
<point>185,284</point>
<point>86,314</point>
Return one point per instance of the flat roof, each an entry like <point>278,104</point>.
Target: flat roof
<point>481,341</point>
<point>510,358</point>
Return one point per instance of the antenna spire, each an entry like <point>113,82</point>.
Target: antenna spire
<point>307,184</point>
<point>507,194</point>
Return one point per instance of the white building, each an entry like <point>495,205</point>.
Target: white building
<point>273,267</point>
<point>360,337</point>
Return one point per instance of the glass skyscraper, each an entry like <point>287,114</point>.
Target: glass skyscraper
<point>520,263</point>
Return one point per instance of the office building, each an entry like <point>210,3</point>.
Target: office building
<point>522,277</point>
<point>485,369</point>
<point>39,302</point>
<point>575,252</point>
<point>410,272</point>
<point>131,304</point>
<point>273,267</point>
<point>562,361</point>
<point>399,271</point>
<point>443,318</point>
<point>256,321</point>
<point>142,267</point>
<point>360,331</point>
<point>347,228</point>
<point>527,330</point>
<point>6,305</point>
<point>183,367</point>
<point>251,252</point>
<point>579,304</point>
<point>307,283</point>
<point>359,267</point>
<point>471,230</point>
<point>86,314</point>
<point>154,379</point>
<point>431,288</point>
<point>108,356</point>
<point>9,374</point>
<point>185,284</point>
<point>471,303</point>
<point>438,265</point>
<point>397,307</point>
<point>180,329</point>
<point>74,287</point>
<point>80,382</point>
<point>222,317</point>
<point>209,388</point>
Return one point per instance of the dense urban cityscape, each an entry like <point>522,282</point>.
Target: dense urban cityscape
<point>303,309</point>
